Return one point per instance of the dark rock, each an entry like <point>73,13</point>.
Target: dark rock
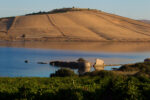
<point>115,68</point>
<point>72,65</point>
<point>41,62</point>
<point>26,61</point>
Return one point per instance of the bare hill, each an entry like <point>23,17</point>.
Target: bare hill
<point>73,25</point>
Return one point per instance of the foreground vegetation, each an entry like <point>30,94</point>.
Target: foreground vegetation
<point>101,85</point>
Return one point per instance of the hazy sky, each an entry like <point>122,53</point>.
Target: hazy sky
<point>137,9</point>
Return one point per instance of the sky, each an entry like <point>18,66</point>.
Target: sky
<point>135,9</point>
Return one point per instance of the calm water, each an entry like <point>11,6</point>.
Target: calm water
<point>12,60</point>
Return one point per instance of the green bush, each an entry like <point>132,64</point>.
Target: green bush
<point>143,67</point>
<point>102,73</point>
<point>129,68</point>
<point>64,72</point>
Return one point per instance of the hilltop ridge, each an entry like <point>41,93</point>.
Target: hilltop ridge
<point>62,10</point>
<point>73,24</point>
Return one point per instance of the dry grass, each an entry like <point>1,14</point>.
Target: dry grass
<point>76,24</point>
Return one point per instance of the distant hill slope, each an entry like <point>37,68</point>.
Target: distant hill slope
<point>146,21</point>
<point>73,25</point>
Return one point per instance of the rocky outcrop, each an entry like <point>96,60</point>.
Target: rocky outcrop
<point>82,66</point>
<point>41,62</point>
<point>99,65</point>
<point>72,65</point>
<point>26,61</point>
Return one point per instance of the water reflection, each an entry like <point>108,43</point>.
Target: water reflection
<point>84,46</point>
<point>12,57</point>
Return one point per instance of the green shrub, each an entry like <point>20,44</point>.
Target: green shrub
<point>128,68</point>
<point>143,67</point>
<point>64,72</point>
<point>102,73</point>
<point>126,89</point>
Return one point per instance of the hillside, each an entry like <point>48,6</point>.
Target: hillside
<point>73,24</point>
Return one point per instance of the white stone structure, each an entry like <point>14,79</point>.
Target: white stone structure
<point>99,65</point>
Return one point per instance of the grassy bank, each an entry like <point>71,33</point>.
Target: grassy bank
<point>102,85</point>
<point>75,88</point>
